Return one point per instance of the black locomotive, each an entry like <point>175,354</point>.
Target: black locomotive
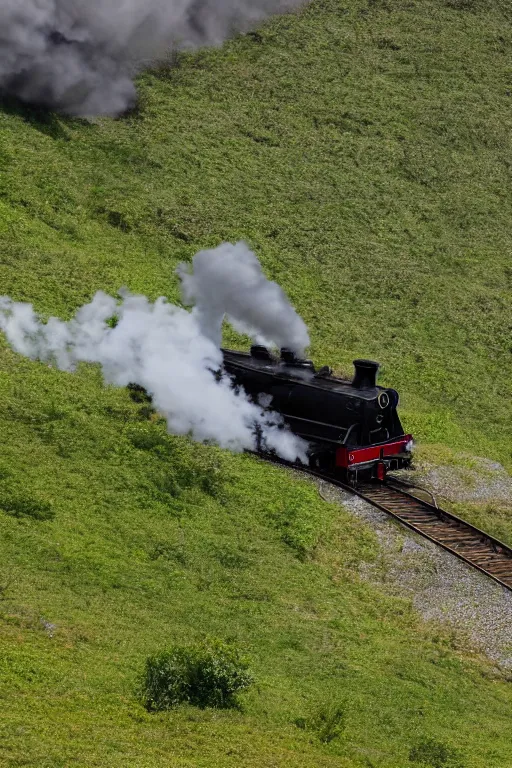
<point>352,427</point>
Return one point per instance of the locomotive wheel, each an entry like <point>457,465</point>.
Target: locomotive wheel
<point>323,460</point>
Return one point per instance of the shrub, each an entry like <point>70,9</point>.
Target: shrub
<point>145,437</point>
<point>328,722</point>
<point>205,675</point>
<point>22,506</point>
<point>138,394</point>
<point>434,754</point>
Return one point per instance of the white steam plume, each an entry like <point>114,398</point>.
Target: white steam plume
<point>229,281</point>
<point>162,348</point>
<point>80,56</point>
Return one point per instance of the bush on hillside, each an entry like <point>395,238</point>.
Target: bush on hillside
<point>328,722</point>
<point>24,506</point>
<point>430,753</point>
<point>204,675</point>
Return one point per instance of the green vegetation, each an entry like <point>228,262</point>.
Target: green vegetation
<point>363,150</point>
<point>327,722</point>
<point>208,674</point>
<point>433,754</point>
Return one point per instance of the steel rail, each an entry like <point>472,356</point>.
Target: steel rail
<point>472,545</point>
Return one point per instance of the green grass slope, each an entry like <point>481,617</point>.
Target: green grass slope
<point>363,150</point>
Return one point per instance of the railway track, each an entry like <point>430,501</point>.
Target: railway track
<point>479,549</point>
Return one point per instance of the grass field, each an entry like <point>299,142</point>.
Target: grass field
<point>363,150</point>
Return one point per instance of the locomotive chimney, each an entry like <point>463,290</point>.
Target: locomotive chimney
<point>365,376</point>
<point>288,356</point>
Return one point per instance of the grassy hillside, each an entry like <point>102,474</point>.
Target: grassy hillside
<point>363,150</point>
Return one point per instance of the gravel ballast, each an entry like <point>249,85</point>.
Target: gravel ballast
<point>441,587</point>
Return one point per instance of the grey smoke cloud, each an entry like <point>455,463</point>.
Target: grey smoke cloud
<point>164,348</point>
<point>80,56</point>
<point>228,281</point>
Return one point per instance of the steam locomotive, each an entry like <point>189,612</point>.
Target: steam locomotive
<point>352,427</point>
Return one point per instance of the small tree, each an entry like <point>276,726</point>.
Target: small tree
<point>206,675</point>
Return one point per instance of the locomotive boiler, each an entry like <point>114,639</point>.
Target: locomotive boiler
<point>352,427</point>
